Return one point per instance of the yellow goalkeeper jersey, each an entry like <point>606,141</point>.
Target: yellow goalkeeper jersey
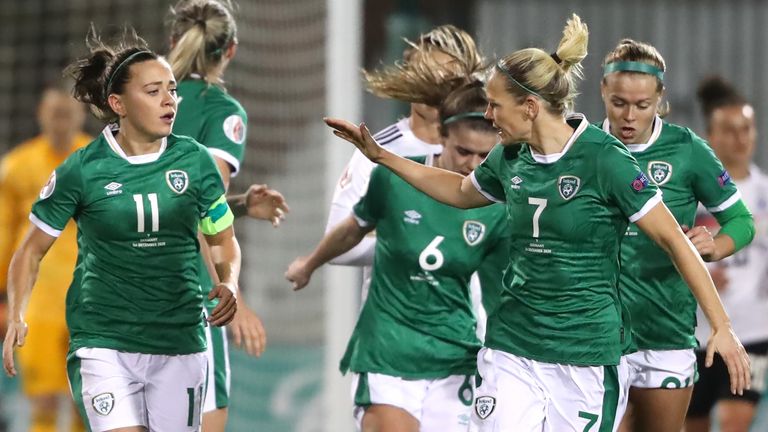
<point>23,172</point>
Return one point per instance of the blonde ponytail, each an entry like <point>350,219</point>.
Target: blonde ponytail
<point>551,77</point>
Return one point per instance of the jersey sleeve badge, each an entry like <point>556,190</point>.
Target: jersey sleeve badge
<point>724,178</point>
<point>177,180</point>
<point>640,182</point>
<point>50,185</point>
<point>234,129</point>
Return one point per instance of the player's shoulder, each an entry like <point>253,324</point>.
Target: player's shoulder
<point>672,133</point>
<point>391,134</point>
<point>185,144</point>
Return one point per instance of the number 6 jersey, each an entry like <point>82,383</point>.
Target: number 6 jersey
<point>136,285</point>
<point>417,322</point>
<point>567,215</point>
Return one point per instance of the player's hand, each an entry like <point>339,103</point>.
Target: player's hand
<point>298,273</point>
<point>704,242</point>
<point>264,203</point>
<point>248,331</point>
<point>14,336</point>
<point>360,136</point>
<point>224,312</point>
<point>725,342</point>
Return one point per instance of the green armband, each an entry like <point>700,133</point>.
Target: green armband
<point>218,217</point>
<point>737,223</point>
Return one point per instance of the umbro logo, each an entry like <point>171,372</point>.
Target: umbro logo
<point>412,216</point>
<point>516,180</point>
<point>113,188</point>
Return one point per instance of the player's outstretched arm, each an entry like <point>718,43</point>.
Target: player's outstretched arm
<point>22,274</point>
<point>225,254</point>
<point>342,238</point>
<point>661,226</point>
<point>443,185</point>
<point>260,202</point>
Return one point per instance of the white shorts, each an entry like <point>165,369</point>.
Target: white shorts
<point>440,405</point>
<point>114,389</point>
<point>523,395</point>
<point>654,369</point>
<point>219,374</point>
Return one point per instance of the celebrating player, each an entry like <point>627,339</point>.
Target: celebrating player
<point>138,195</point>
<point>554,343</point>
<point>414,347</point>
<point>682,165</point>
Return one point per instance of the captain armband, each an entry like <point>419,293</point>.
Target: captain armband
<point>217,218</point>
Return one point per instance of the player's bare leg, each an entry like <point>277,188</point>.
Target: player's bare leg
<point>388,418</point>
<point>659,410</point>
<point>215,421</point>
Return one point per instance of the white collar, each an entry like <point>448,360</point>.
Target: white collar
<point>554,157</point>
<point>405,128</point>
<point>637,148</point>
<point>133,160</point>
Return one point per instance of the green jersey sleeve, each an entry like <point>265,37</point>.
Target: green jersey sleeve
<point>224,135</point>
<point>212,204</point>
<point>487,176</point>
<point>711,183</point>
<point>625,183</point>
<point>370,209</point>
<point>59,198</point>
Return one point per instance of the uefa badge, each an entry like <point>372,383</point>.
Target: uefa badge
<point>473,232</point>
<point>484,406</point>
<point>177,180</point>
<point>50,185</point>
<point>659,171</point>
<point>103,403</point>
<point>568,185</point>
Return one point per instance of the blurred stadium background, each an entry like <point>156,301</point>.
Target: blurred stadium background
<point>299,60</point>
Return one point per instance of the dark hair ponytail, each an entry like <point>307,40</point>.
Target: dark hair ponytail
<point>106,70</point>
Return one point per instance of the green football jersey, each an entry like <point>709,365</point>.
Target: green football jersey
<point>215,119</point>
<point>417,321</point>
<point>567,215</point>
<point>136,287</point>
<point>684,167</point>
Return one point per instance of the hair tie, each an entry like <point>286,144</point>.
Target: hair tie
<point>556,58</point>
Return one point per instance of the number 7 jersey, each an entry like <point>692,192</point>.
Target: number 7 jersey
<point>567,215</point>
<point>136,285</point>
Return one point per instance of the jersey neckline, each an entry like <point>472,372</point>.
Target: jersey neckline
<point>133,160</point>
<point>554,157</point>
<point>658,124</point>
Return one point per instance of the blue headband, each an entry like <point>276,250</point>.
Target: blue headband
<point>122,63</point>
<point>633,66</point>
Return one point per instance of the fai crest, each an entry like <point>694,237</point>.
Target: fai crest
<point>484,406</point>
<point>473,232</point>
<point>103,403</point>
<point>568,186</point>
<point>659,171</point>
<point>177,180</point>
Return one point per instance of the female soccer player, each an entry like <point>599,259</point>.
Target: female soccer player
<point>740,279</point>
<point>554,343</point>
<point>138,194</point>
<point>204,42</point>
<point>682,165</point>
<point>457,59</point>
<point>414,347</point>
